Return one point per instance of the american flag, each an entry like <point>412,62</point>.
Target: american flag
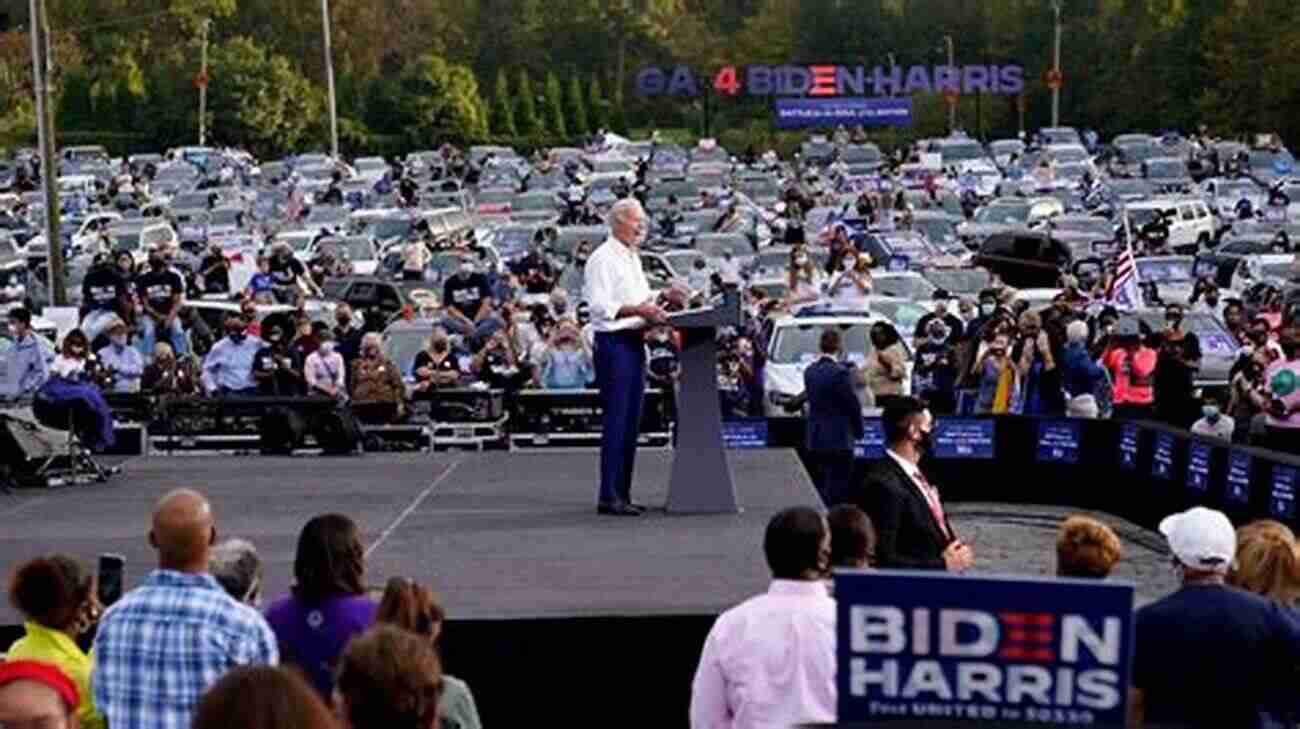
<point>1125,291</point>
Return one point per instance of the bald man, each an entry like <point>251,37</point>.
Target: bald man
<point>621,306</point>
<point>178,629</point>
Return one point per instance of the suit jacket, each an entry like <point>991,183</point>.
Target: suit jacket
<point>907,534</point>
<point>834,412</point>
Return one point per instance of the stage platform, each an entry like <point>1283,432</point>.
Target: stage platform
<point>499,535</point>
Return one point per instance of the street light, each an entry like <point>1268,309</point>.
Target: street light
<point>329,78</point>
<point>952,63</point>
<point>1056,65</point>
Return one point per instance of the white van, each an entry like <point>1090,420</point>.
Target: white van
<point>1190,222</point>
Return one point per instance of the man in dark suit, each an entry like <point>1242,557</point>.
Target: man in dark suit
<point>834,420</point>
<point>912,530</point>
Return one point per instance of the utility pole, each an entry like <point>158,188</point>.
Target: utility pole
<point>203,86</point>
<point>329,77</point>
<point>41,54</point>
<point>952,63</point>
<point>1056,65</point>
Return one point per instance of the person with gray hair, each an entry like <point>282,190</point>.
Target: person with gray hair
<point>1081,376</point>
<point>621,306</point>
<point>378,393</point>
<point>237,566</point>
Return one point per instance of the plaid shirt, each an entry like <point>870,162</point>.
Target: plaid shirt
<point>165,643</point>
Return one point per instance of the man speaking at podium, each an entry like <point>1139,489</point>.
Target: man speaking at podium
<point>621,306</point>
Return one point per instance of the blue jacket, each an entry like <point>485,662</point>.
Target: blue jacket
<point>1080,374</point>
<point>28,363</point>
<point>834,412</point>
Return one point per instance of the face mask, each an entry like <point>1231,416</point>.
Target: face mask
<point>561,307</point>
<point>440,346</point>
<point>15,331</point>
<point>236,335</point>
<point>156,263</point>
<point>344,322</point>
<point>1212,300</point>
<point>801,261</point>
<point>327,348</point>
<point>1211,412</point>
<point>466,269</point>
<point>849,264</point>
<point>699,265</point>
<point>924,441</point>
<point>987,309</point>
<point>372,353</point>
<point>1174,319</point>
<point>118,340</point>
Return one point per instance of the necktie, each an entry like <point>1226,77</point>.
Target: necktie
<point>932,498</point>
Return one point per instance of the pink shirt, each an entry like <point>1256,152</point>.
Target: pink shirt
<point>769,662</point>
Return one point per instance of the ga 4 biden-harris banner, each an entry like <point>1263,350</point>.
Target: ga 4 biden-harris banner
<point>852,111</point>
<point>920,645</point>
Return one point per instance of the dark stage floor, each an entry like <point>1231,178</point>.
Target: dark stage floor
<point>500,535</point>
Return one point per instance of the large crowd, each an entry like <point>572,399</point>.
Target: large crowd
<point>489,248</point>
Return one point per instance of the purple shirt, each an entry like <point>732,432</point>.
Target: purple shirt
<point>312,636</point>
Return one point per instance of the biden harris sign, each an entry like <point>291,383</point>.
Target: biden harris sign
<point>916,645</point>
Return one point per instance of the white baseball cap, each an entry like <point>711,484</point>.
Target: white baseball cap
<point>1201,538</point>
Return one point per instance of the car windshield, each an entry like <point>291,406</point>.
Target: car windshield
<point>999,212</point>
<point>914,288</point>
<point>715,246</point>
<point>1237,189</point>
<point>860,154</point>
<point>385,228</point>
<point>759,188</point>
<point>1276,270</point>
<point>1070,154</point>
<point>798,343</point>
<point>960,281</point>
<point>680,188</point>
<point>126,241</point>
<point>961,151</point>
<point>401,347</point>
<point>225,217</point>
<point>296,242</point>
<point>904,314</point>
<point>1091,226</point>
<point>494,197</point>
<point>351,249</point>
<point>511,242</point>
<point>1166,168</point>
<point>327,215</point>
<point>900,243</point>
<point>371,163</point>
<point>533,202</point>
<point>1159,270</point>
<point>1215,340</point>
<point>938,231</point>
<point>1007,146</point>
<point>1141,216</point>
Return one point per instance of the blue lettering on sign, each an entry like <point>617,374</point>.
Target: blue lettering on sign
<point>1058,441</point>
<point>1238,478</point>
<point>745,433</point>
<point>1198,465</point>
<point>1162,460</point>
<point>796,113</point>
<point>1128,446</point>
<point>682,82</point>
<point>651,81</point>
<point>872,444</point>
<point>1281,500</point>
<point>841,80</point>
<point>919,645</point>
<point>964,438</point>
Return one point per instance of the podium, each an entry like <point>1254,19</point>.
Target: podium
<point>701,477</point>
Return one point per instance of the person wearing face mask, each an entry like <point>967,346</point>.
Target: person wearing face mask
<point>288,274</point>
<point>886,363</point>
<point>168,376</point>
<point>228,368</point>
<point>436,366</point>
<point>160,290</point>
<point>468,303</point>
<point>700,277</point>
<point>567,363</point>
<point>934,373</point>
<point>1213,422</point>
<point>1281,396</point>
<point>985,313</point>
<point>954,325</point>
<point>215,271</point>
<point>276,369</point>
<point>123,364</point>
<point>378,393</point>
<point>1206,298</point>
<point>834,420</point>
<point>850,287</point>
<point>1132,365</point>
<point>25,357</point>
<point>806,281</point>
<point>1175,378</point>
<point>324,370</point>
<point>998,378</point>
<point>347,335</point>
<point>912,530</point>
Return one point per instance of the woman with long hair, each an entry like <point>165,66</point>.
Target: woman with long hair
<point>805,280</point>
<point>328,604</point>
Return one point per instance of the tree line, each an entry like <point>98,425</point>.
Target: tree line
<point>414,73</point>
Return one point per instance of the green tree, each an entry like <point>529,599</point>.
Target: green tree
<point>618,116</point>
<point>597,106</point>
<point>501,118</point>
<point>257,100</point>
<point>553,106</point>
<point>439,102</point>
<point>575,111</point>
<point>526,120</point>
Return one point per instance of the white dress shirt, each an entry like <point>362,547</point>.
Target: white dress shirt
<point>613,279</point>
<point>769,662</point>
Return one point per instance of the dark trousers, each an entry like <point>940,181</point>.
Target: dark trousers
<point>1282,440</point>
<point>834,475</point>
<point>620,375</point>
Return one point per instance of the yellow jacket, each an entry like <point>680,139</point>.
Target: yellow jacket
<point>56,648</point>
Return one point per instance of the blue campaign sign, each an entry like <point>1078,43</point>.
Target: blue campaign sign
<point>916,645</point>
<point>1128,446</point>
<point>963,438</point>
<point>1281,500</point>
<point>872,444</point>
<point>1162,458</point>
<point>793,113</point>
<point>745,433</point>
<point>1238,478</point>
<point>1058,441</point>
<point>1198,465</point>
